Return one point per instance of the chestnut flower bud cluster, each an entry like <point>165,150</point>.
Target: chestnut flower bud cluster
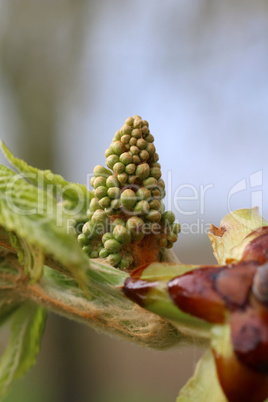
<point>127,215</point>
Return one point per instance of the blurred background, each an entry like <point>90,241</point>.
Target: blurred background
<point>71,72</point>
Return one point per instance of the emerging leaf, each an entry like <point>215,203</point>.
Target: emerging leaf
<point>227,240</point>
<point>77,195</point>
<point>34,216</point>
<point>27,327</point>
<point>204,385</point>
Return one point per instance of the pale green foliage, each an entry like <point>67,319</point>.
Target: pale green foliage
<point>29,256</point>
<point>77,195</point>
<point>27,326</point>
<point>35,216</point>
<point>204,385</point>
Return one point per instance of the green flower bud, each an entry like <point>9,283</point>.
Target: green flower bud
<point>162,208</point>
<point>92,180</point>
<point>130,169</point>
<point>161,183</point>
<point>117,147</point>
<point>145,130</point>
<point>117,135</point>
<point>169,245</point>
<point>155,204</point>
<point>125,139</point>
<point>129,121</point>
<point>108,152</point>
<point>134,150</point>
<point>114,259</point>
<point>89,230</point>
<point>156,164</point>
<point>149,138</point>
<point>155,172</point>
<point>136,225</point>
<point>107,236</point>
<point>163,242</point>
<point>99,216</point>
<point>124,263</point>
<point>137,117</point>
<point>151,182</point>
<point>172,237</point>
<point>136,133</point>
<point>128,199</point>
<point>105,202</point>
<point>112,246</point>
<point>169,217</point>
<point>99,246</point>
<point>136,159</point>
<point>112,181</point>
<point>114,192</point>
<point>94,205</point>
<point>132,179</point>
<point>132,141</point>
<point>119,167</point>
<point>101,171</point>
<point>144,155</point>
<point>141,143</point>
<point>176,228</point>
<point>90,213</point>
<point>145,123</point>
<point>115,204</point>
<point>83,239</point>
<point>153,216</point>
<point>109,210</point>
<point>126,158</point>
<point>156,157</point>
<point>143,193</point>
<point>94,254</point>
<point>117,221</point>
<point>112,160</point>
<point>122,234</point>
<point>103,253</point>
<point>157,193</point>
<point>87,249</point>
<point>126,129</point>
<point>137,122</point>
<point>100,192</point>
<point>122,177</point>
<point>99,181</point>
<point>150,148</point>
<point>142,171</point>
<point>142,207</point>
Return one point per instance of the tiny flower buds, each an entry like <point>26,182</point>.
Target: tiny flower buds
<point>128,225</point>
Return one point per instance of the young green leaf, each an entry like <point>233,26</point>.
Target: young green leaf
<point>27,327</point>
<point>29,256</point>
<point>204,385</point>
<point>76,195</point>
<point>35,217</point>
<point>7,306</point>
